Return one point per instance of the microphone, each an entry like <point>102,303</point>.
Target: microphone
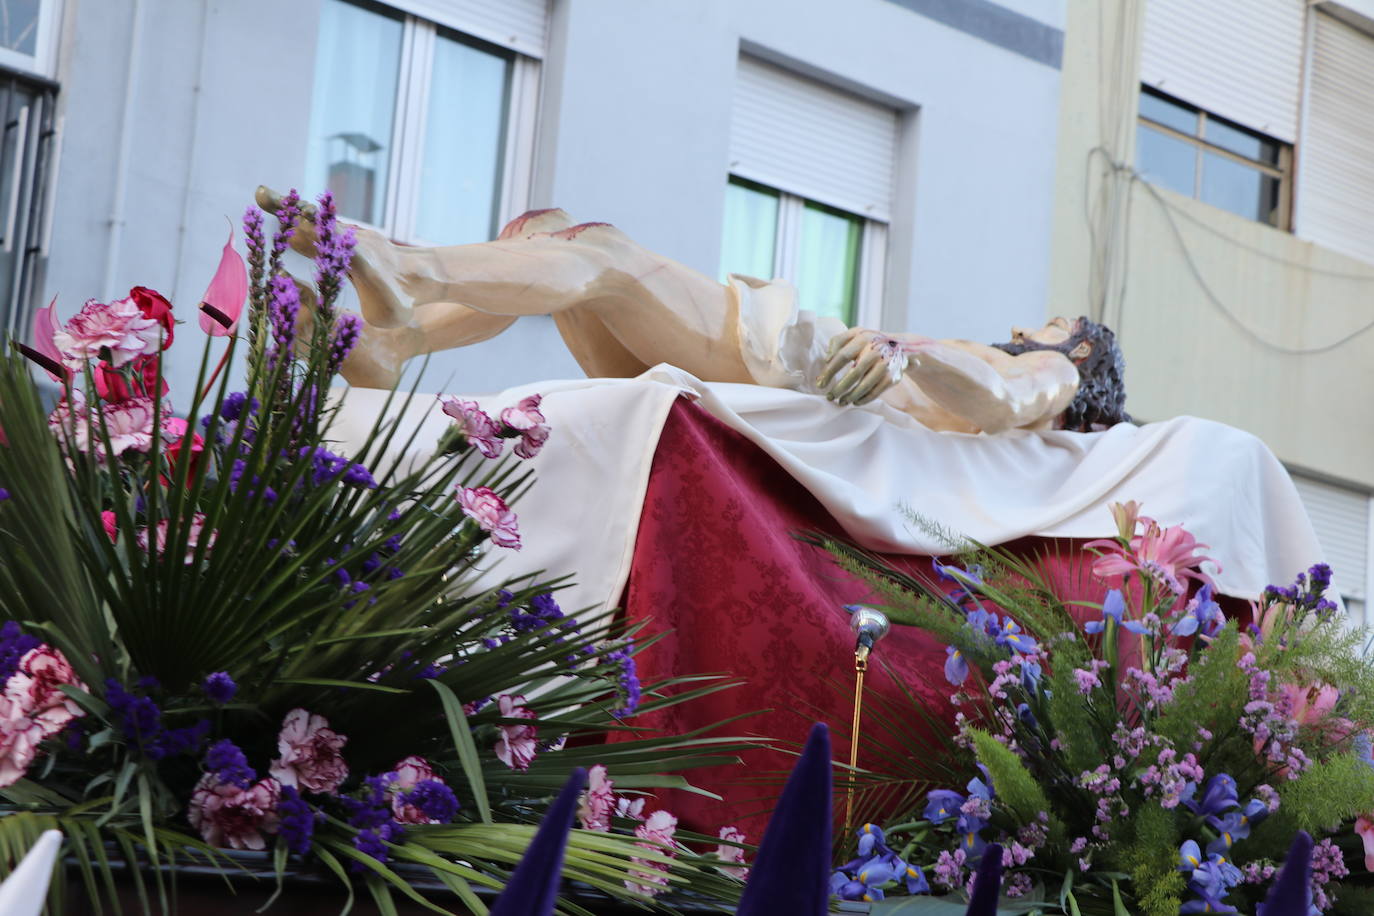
<point>869,626</point>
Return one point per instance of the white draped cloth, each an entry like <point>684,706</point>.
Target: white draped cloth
<point>872,467</point>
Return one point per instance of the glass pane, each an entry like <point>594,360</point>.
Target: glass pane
<point>1241,141</point>
<point>751,230</point>
<point>1244,191</point>
<point>828,262</point>
<point>1170,114</point>
<point>356,69</point>
<point>1166,161</point>
<point>19,25</point>
<point>460,178</point>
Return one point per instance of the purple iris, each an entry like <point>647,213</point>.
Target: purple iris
<point>871,837</point>
<point>956,666</point>
<point>1011,637</point>
<point>966,581</point>
<point>1218,796</point>
<point>1030,676</point>
<point>1202,616</point>
<point>1235,825</point>
<point>1364,748</point>
<point>866,884</point>
<point>970,829</point>
<point>1114,608</point>
<point>941,805</point>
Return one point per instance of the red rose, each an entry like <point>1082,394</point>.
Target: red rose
<point>111,386</point>
<point>152,304</point>
<point>107,518</point>
<point>174,431</point>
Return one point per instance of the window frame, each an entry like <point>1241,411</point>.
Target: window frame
<point>43,62</point>
<point>1283,170</point>
<point>406,153</point>
<point>870,271</point>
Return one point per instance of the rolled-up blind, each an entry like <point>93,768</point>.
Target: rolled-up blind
<point>812,140</point>
<point>1240,59</point>
<point>1340,516</point>
<point>1335,190</point>
<point>521,25</point>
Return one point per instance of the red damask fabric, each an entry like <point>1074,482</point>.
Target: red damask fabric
<point>715,563</point>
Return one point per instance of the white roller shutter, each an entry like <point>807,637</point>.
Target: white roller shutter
<point>1335,190</point>
<point>812,140</point>
<point>521,25</point>
<point>1340,517</point>
<point>1240,59</point>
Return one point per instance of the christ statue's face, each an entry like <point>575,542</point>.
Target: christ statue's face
<point>1053,336</point>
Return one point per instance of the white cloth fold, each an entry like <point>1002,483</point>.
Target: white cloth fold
<point>872,466</point>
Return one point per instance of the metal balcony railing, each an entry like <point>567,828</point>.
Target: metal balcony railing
<point>28,164</point>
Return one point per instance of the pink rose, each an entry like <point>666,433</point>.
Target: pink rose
<point>36,687</point>
<point>227,815</point>
<point>526,419</point>
<point>516,746</point>
<point>656,835</point>
<point>310,753</point>
<point>119,327</point>
<point>410,772</point>
<point>732,854</point>
<point>594,812</point>
<point>474,424</point>
<point>193,536</point>
<point>19,740</point>
<point>490,512</point>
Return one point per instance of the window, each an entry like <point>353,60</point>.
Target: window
<point>819,249</point>
<point>811,188</point>
<point>27,31</point>
<point>420,130</point>
<point>1188,150</point>
<point>28,138</point>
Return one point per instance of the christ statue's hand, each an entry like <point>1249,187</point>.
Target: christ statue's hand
<point>878,362</point>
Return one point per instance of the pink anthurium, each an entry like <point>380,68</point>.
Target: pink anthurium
<point>44,352</point>
<point>226,295</point>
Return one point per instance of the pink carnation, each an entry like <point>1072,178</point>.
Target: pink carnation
<point>19,740</point>
<point>410,772</point>
<point>490,512</point>
<point>474,424</point>
<point>655,834</point>
<point>193,537</point>
<point>516,746</point>
<point>310,753</point>
<point>36,687</point>
<point>527,419</point>
<point>119,327</point>
<point>594,812</point>
<point>630,810</point>
<point>128,423</point>
<point>227,815</point>
<point>732,854</point>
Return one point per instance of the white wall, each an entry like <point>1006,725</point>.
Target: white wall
<point>634,128</point>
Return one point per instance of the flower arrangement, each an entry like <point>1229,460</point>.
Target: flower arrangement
<point>1142,754</point>
<point>220,634</point>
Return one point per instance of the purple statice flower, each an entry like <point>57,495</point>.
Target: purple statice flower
<point>234,404</point>
<point>255,487</point>
<point>434,799</point>
<point>334,254</point>
<point>1114,609</point>
<point>4,494</point>
<point>228,763</point>
<point>329,466</point>
<point>949,869</point>
<point>14,645</point>
<point>297,824</point>
<point>1328,864</point>
<point>283,309</point>
<point>220,687</point>
<point>628,679</point>
<point>175,741</point>
<point>255,239</point>
<point>1087,679</point>
<point>138,717</point>
<point>347,329</point>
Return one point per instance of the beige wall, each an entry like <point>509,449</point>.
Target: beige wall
<point>1165,271</point>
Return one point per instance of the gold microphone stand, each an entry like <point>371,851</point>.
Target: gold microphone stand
<point>870,626</point>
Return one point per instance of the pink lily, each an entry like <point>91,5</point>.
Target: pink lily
<point>1168,555</point>
<point>222,303</point>
<point>44,352</point>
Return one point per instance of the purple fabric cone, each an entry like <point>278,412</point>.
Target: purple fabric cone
<point>533,886</point>
<point>791,873</point>
<point>1291,894</point>
<point>987,887</point>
